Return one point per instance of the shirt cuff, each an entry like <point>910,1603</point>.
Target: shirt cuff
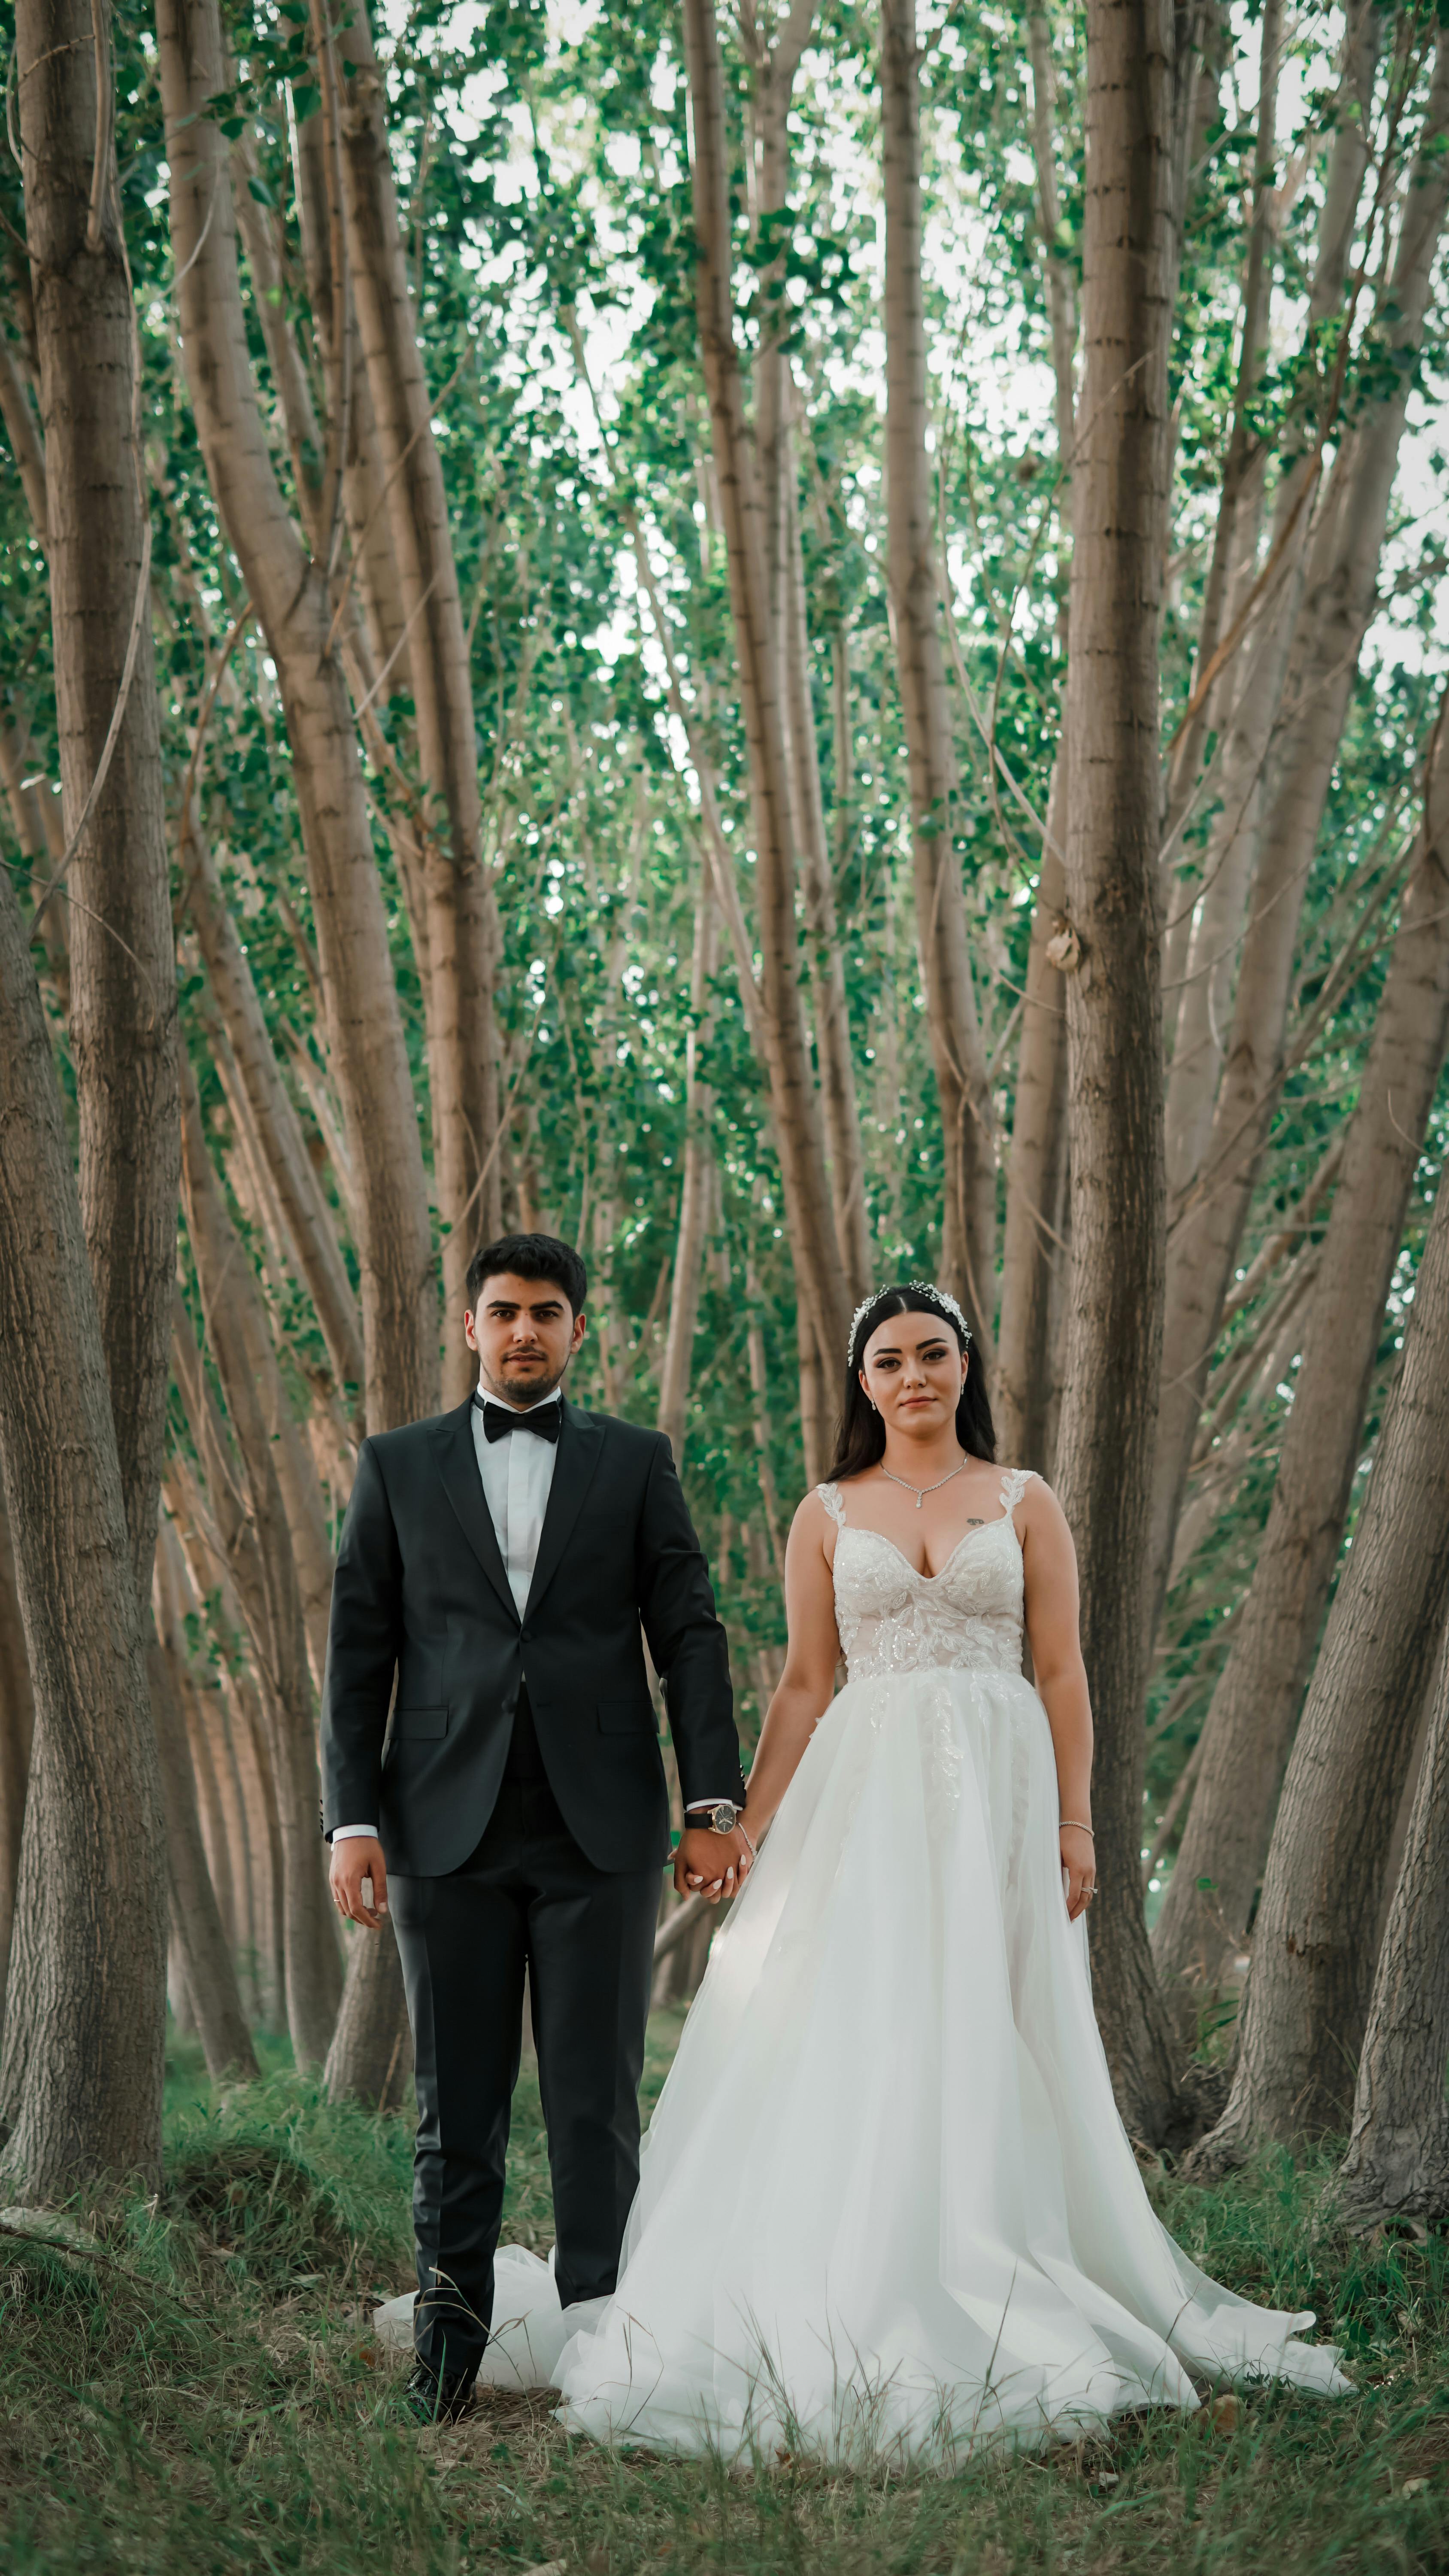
<point>696,1803</point>
<point>350,1833</point>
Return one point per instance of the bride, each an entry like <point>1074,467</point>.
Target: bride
<point>887,2210</point>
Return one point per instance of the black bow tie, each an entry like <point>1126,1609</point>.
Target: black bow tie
<point>498,1421</point>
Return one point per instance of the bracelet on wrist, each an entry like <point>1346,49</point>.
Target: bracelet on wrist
<point>1073,1825</point>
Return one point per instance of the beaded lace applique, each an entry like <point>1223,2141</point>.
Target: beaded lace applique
<point>967,1617</point>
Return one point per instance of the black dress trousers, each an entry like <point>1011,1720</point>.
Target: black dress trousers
<point>527,1897</point>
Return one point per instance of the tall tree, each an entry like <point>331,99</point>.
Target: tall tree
<point>1313,1944</point>
<point>1397,2165</point>
<point>1296,710</point>
<point>290,588</point>
<point>968,1250</point>
<point>123,1032</point>
<point>1114,1008</point>
<point>123,1035</point>
<point>1250,1724</point>
<point>80,2073</point>
<point>461,928</point>
<point>809,1214</point>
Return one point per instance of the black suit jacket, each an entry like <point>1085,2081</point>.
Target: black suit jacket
<point>421,1592</point>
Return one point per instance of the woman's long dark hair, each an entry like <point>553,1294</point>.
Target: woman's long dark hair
<point>860,1440</point>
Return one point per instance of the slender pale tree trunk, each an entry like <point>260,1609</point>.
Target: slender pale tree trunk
<point>968,1251</point>
<point>123,969</point>
<point>1397,2165</point>
<point>171,1588</point>
<point>264,1563</point>
<point>1240,496</point>
<point>211,1981</point>
<point>695,1190</point>
<point>787,623</point>
<point>94,1767</point>
<point>1339,598</point>
<point>320,223</point>
<point>1114,1024</point>
<point>278,1129</point>
<point>364,1026</point>
<point>808,1212</point>
<point>17,1729</point>
<point>23,431</point>
<point>839,1103</point>
<point>1313,1948</point>
<point>1250,1725</point>
<point>80,2075</point>
<point>461,939</point>
<point>1033,1253</point>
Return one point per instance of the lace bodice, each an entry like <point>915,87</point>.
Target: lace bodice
<point>893,1620</point>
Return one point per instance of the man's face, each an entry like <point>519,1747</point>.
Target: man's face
<point>525,1333</point>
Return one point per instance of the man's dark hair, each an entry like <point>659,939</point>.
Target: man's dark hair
<point>530,1256</point>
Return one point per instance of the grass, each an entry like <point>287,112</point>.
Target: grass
<point>210,2398</point>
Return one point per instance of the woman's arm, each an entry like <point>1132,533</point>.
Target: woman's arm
<point>808,1679</point>
<point>1052,1605</point>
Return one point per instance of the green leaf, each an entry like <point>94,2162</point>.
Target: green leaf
<point>259,189</point>
<point>306,101</point>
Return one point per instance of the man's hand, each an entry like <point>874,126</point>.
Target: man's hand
<point>356,1857</point>
<point>715,1865</point>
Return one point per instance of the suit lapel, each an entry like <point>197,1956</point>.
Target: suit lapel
<point>580,1446</point>
<point>458,1466</point>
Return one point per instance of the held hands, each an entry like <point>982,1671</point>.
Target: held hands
<point>715,1865</point>
<point>1079,1868</point>
<point>356,1858</point>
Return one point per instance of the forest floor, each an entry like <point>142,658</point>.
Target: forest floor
<point>205,2394</point>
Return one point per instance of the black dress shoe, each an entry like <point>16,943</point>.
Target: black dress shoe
<point>438,2401</point>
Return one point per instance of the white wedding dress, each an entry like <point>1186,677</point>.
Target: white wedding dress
<point>888,2211</point>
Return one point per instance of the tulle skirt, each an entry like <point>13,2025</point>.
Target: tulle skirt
<point>888,2211</point>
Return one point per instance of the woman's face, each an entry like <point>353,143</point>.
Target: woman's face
<point>913,1369</point>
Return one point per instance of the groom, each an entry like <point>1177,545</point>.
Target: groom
<point>498,1564</point>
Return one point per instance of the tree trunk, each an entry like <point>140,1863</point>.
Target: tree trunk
<point>264,1564</point>
<point>1397,2165</point>
<point>1104,1446</point>
<point>80,2075</point>
<point>364,1025</point>
<point>1033,1251</point>
<point>968,1248</point>
<point>23,431</point>
<point>839,1103</point>
<point>1313,1947</point>
<point>808,1212</point>
<point>461,938</point>
<point>1339,599</point>
<point>694,1195</point>
<point>275,1122</point>
<point>371,2058</point>
<point>123,968</point>
<point>1250,1724</point>
<point>17,1728</point>
<point>196,1917</point>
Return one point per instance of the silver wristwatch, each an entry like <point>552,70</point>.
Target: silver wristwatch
<point>721,1818</point>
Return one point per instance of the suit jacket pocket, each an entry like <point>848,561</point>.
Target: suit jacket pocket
<point>626,1717</point>
<point>410,1723</point>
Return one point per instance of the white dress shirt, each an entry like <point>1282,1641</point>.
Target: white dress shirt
<point>517,1477</point>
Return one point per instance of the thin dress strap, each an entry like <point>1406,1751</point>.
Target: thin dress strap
<point>1014,1483</point>
<point>830,1497</point>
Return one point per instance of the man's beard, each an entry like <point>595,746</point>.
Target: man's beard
<point>533,1390</point>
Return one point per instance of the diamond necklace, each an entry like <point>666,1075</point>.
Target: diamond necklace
<point>921,1491</point>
